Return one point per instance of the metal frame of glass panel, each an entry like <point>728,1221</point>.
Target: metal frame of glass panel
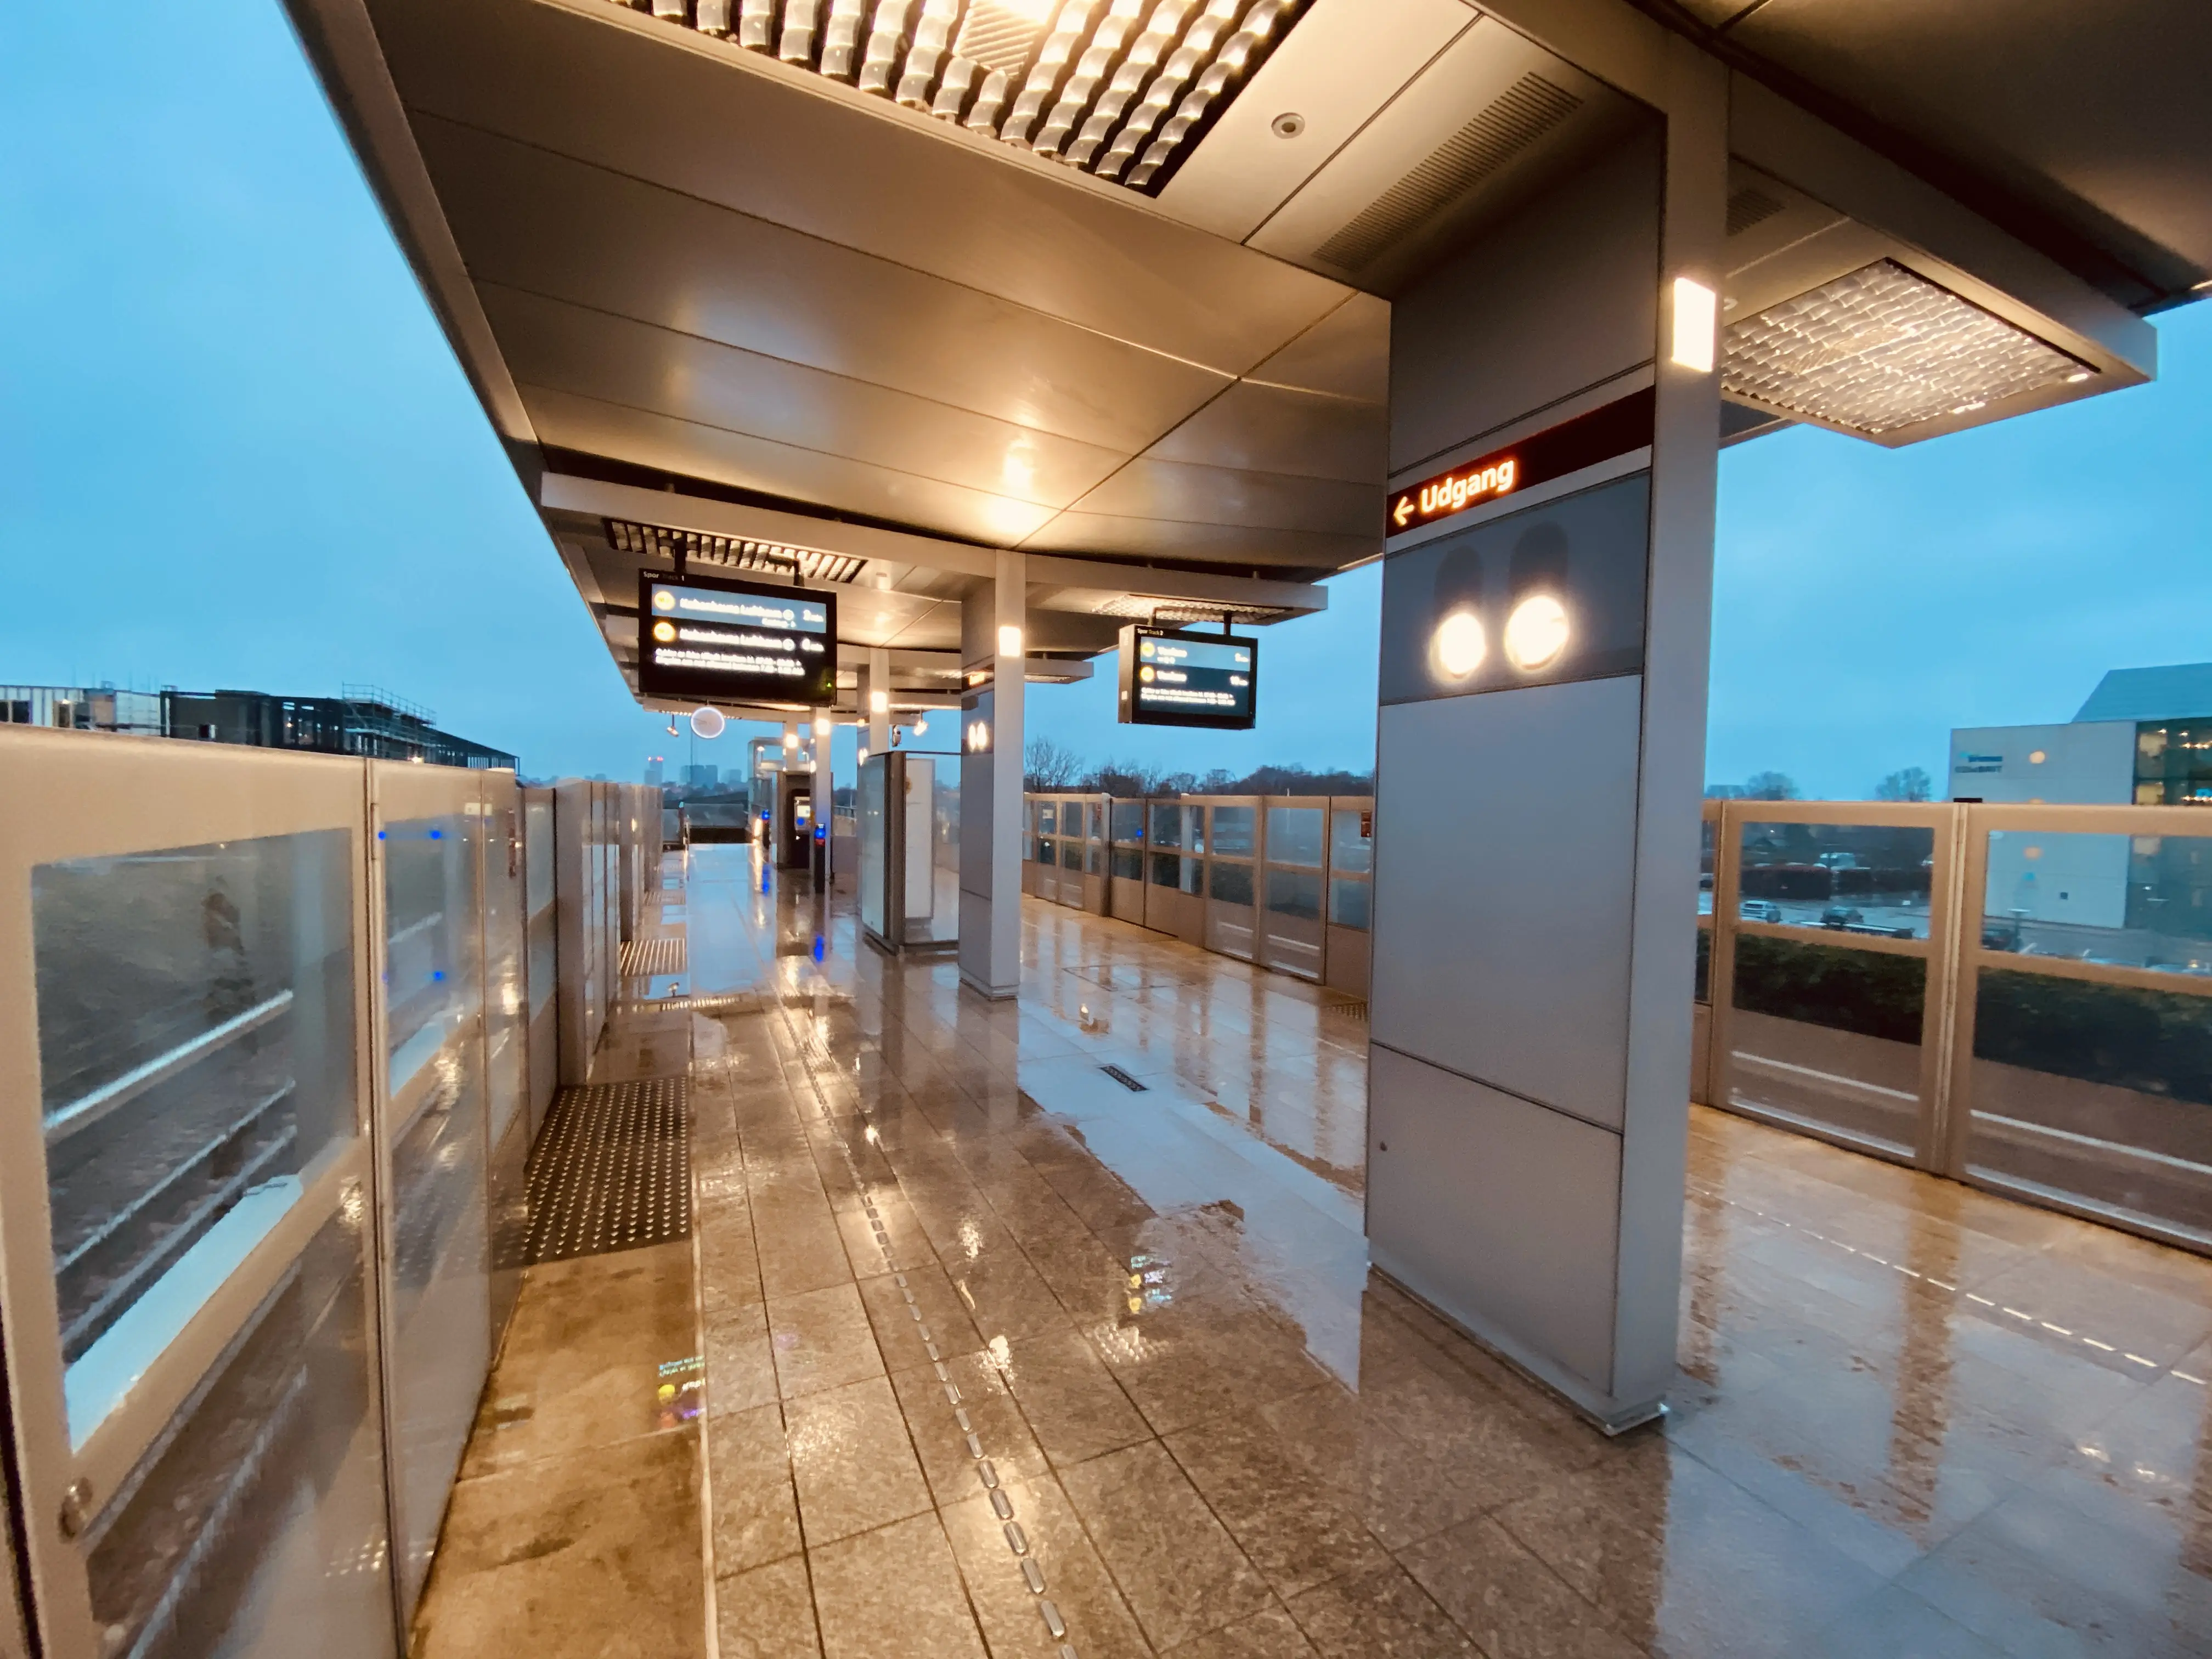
<point>211,1311</point>
<point>1835,993</point>
<point>2080,1078</point>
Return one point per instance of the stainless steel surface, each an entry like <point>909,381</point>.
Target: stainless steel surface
<point>1502,936</point>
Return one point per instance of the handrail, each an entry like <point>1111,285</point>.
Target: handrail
<point>87,1109</point>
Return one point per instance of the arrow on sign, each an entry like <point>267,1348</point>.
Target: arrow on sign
<point>1403,512</point>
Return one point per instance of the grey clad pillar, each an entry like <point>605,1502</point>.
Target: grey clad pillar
<point>1538,752</point>
<point>991,619</point>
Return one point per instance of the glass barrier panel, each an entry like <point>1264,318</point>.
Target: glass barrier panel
<point>1294,893</point>
<point>1128,820</point>
<point>2124,900</point>
<point>1167,824</point>
<point>1708,840</point>
<point>874,831</point>
<point>256,1526</point>
<point>1095,821</point>
<point>1167,870</point>
<point>1128,864</point>
<point>1071,854</point>
<point>1828,1036</point>
<point>1294,836</point>
<point>1193,829</point>
<point>937,778</point>
<point>1848,877</point>
<point>1193,876</point>
<point>1229,883</point>
<point>544,959</point>
<point>1350,904</point>
<point>1047,817</point>
<point>440,1295</point>
<point>1351,842</point>
<point>1233,827</point>
<point>2099,1093</point>
<point>1704,989</point>
<point>195,1052</point>
<point>1094,862</point>
<point>1047,852</point>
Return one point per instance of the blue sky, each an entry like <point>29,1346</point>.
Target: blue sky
<point>234,451</point>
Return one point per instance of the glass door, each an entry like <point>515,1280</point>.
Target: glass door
<point>1233,867</point>
<point>1290,926</point>
<point>184,1182</point>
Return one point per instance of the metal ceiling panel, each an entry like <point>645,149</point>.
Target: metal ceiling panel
<point>1220,494</point>
<point>1233,546</point>
<point>1347,354</point>
<point>1274,429</point>
<point>687,447</point>
<point>548,225</point>
<point>1489,117</point>
<point>2100,114</point>
<point>713,121</point>
<point>1345,59</point>
<point>550,343</point>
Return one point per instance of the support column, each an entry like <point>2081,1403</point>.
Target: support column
<point>876,699</point>
<point>991,622</point>
<point>1538,754</point>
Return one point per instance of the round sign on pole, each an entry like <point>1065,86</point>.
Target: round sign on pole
<point>708,722</point>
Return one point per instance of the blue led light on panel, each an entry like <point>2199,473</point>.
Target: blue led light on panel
<point>379,835</point>
<point>437,835</point>
<point>818,947</point>
<point>437,973</point>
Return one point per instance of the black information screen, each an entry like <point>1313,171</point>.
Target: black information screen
<point>706,639</point>
<point>1189,678</point>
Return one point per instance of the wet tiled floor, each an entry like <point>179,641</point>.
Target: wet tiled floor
<point>1004,1357</point>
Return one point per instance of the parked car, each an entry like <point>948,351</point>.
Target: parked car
<point>1760,910</point>
<point>1841,916</point>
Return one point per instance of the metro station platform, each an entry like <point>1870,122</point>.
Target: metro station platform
<point>972,1347</point>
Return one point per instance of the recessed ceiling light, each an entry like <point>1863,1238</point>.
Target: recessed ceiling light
<point>1882,348</point>
<point>1120,88</point>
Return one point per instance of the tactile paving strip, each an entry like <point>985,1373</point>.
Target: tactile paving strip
<point>612,1170</point>
<point>647,958</point>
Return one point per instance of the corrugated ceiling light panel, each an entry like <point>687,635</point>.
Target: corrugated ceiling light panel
<point>1882,348</point>
<point>1120,89</point>
<point>649,541</point>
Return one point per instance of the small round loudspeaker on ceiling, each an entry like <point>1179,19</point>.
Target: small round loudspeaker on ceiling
<point>1289,124</point>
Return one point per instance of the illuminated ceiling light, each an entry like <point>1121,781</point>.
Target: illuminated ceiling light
<point>797,45</point>
<point>879,703</point>
<point>2077,377</point>
<point>821,725</point>
<point>791,740</point>
<point>1010,640</point>
<point>1536,633</point>
<point>1882,348</point>
<point>840,41</point>
<point>919,727</point>
<point>883,42</point>
<point>1030,72</point>
<point>1460,644</point>
<point>707,723</point>
<point>931,36</point>
<point>1696,320</point>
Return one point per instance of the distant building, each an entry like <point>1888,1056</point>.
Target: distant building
<point>701,777</point>
<point>652,773</point>
<point>363,719</point>
<point>2145,735</point>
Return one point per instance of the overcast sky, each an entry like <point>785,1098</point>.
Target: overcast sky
<point>234,451</point>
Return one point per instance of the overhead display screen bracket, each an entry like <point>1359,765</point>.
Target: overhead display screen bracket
<point>702,638</point>
<point>1181,676</point>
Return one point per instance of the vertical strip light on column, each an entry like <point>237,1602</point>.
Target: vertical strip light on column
<point>1121,89</point>
<point>1696,325</point>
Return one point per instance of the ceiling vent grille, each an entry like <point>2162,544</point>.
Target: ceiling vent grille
<point>652,541</point>
<point>1187,613</point>
<point>1516,119</point>
<point>1881,350</point>
<point>1750,206</point>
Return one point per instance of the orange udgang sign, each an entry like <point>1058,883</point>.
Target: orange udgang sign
<point>1611,430</point>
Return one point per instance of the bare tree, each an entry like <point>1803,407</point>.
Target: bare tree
<point>1048,767</point>
<point>1771,786</point>
<point>1912,783</point>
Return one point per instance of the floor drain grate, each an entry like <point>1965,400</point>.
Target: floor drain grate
<point>612,1170</point>
<point>1124,1079</point>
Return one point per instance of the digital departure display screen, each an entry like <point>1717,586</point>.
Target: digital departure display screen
<point>705,639</point>
<point>1171,677</point>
